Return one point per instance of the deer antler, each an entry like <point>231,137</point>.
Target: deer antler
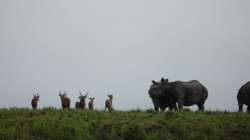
<point>87,93</point>
<point>80,92</point>
<point>65,92</point>
<point>110,96</point>
<point>60,92</point>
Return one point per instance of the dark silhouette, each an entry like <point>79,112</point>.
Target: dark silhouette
<point>108,103</point>
<point>159,98</point>
<point>243,97</point>
<point>81,104</point>
<point>77,105</point>
<point>35,100</point>
<point>186,110</point>
<point>91,103</point>
<point>65,100</point>
<point>167,94</point>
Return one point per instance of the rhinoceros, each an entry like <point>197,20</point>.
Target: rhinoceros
<point>159,98</point>
<point>243,97</point>
<point>167,94</point>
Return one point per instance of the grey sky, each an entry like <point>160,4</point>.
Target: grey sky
<point>119,47</point>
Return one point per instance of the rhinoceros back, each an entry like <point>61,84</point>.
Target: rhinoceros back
<point>193,91</point>
<point>244,94</point>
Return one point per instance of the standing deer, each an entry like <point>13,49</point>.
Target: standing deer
<point>35,100</point>
<point>108,103</point>
<point>81,103</point>
<point>65,100</point>
<point>91,103</point>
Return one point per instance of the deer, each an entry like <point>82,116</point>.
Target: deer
<point>91,103</point>
<point>65,100</point>
<point>81,103</point>
<point>35,100</point>
<point>108,103</point>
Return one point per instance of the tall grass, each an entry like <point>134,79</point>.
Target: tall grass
<point>54,124</point>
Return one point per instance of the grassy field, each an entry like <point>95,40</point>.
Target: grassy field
<point>53,124</point>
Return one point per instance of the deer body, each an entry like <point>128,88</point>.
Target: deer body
<point>81,104</point>
<point>108,103</point>
<point>65,101</point>
<point>34,101</point>
<point>91,103</point>
<point>77,105</point>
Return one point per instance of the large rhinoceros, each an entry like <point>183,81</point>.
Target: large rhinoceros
<point>244,97</point>
<point>167,94</point>
<point>159,98</point>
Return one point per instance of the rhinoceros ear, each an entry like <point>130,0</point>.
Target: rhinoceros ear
<point>154,82</point>
<point>164,80</point>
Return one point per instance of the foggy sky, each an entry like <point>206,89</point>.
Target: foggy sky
<point>119,47</point>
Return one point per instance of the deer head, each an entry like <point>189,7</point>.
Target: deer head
<point>62,95</point>
<point>110,96</point>
<point>91,99</point>
<point>36,96</point>
<point>82,97</point>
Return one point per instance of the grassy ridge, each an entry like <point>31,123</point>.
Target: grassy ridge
<point>53,124</point>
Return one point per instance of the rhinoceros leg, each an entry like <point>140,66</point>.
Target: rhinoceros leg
<point>201,107</point>
<point>162,109</point>
<point>248,109</point>
<point>173,107</point>
<point>240,107</point>
<point>180,104</point>
<point>156,108</point>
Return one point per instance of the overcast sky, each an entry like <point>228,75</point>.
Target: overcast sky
<point>118,47</point>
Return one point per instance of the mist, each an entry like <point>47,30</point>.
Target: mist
<point>119,47</point>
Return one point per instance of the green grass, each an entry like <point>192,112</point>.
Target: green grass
<point>54,124</point>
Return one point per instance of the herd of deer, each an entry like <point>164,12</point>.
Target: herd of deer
<point>78,105</point>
